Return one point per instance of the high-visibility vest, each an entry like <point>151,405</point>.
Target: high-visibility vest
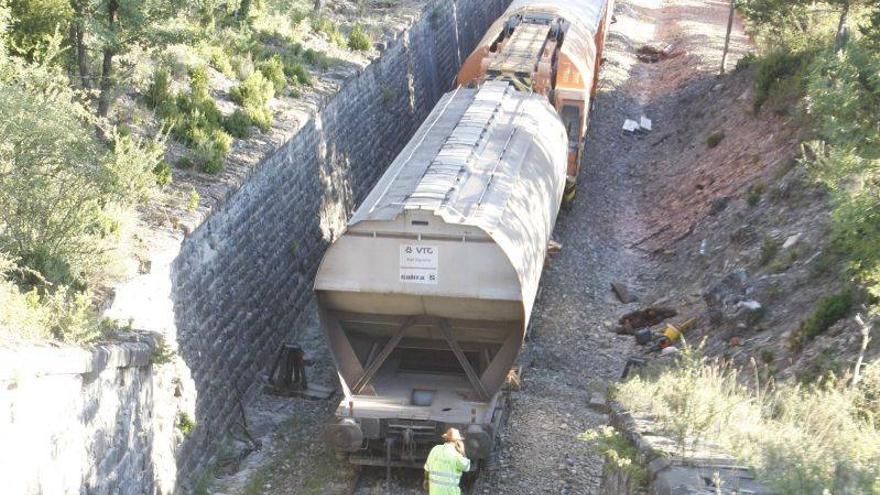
<point>444,467</point>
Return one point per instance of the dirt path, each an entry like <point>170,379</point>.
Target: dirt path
<point>570,353</point>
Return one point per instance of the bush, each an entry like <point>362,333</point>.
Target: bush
<point>829,311</point>
<point>746,61</point>
<point>219,60</point>
<point>316,58</point>
<point>255,90</point>
<point>300,74</point>
<point>753,195</point>
<point>210,150</point>
<point>65,199</point>
<point>714,139</point>
<point>254,95</point>
<point>159,91</point>
<point>273,70</point>
<point>238,124</point>
<point>162,171</point>
<point>781,66</point>
<point>243,65</point>
<point>769,249</point>
<point>358,39</point>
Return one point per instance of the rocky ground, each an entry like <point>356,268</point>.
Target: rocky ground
<point>708,226</point>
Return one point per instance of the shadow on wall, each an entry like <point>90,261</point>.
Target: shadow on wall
<point>242,282</point>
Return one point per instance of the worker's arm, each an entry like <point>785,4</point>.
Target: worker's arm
<point>464,463</point>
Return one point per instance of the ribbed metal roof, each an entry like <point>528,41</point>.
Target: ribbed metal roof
<point>464,159</point>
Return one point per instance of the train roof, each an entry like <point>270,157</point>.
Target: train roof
<point>464,161</point>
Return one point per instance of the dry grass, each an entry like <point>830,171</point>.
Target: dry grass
<point>799,440</point>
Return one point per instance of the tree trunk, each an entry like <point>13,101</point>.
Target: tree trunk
<point>107,64</point>
<point>318,5</point>
<point>840,38</point>
<point>727,37</point>
<point>76,40</point>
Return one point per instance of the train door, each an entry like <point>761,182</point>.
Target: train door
<point>572,115</point>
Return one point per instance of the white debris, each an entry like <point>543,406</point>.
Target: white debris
<point>704,247</point>
<point>750,304</point>
<point>630,125</point>
<point>645,123</point>
<point>791,241</point>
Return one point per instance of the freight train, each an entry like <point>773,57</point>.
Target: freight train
<point>426,297</point>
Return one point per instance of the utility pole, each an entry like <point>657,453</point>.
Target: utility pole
<point>727,38</point>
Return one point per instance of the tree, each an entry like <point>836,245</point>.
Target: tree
<point>64,196</point>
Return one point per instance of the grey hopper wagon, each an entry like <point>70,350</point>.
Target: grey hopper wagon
<point>426,296</point>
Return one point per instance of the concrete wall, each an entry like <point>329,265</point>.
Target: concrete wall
<point>74,421</point>
<point>243,279</point>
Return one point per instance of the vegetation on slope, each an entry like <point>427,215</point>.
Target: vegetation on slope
<point>799,439</point>
<point>820,62</point>
<point>81,152</point>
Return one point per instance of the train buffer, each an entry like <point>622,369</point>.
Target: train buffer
<point>287,377</point>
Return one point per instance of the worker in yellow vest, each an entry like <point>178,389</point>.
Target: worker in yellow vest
<point>445,464</point>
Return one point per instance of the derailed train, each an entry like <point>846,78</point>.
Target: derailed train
<point>426,297</point>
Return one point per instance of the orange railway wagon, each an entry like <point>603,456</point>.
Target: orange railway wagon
<point>553,48</point>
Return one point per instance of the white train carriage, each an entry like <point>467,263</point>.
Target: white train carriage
<point>426,297</point>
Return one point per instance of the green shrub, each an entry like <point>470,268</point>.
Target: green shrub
<point>195,198</point>
<point>829,311</point>
<point>254,95</point>
<point>754,193</point>
<point>273,70</point>
<point>300,74</point>
<point>162,171</point>
<point>618,452</point>
<point>769,249</point>
<point>359,40</point>
<point>243,65</point>
<point>254,91</point>
<point>238,124</point>
<point>185,424</point>
<point>218,59</point>
<point>714,139</point>
<point>316,58</point>
<point>746,61</point>
<point>210,149</point>
<point>323,25</point>
<point>159,91</point>
<point>781,66</point>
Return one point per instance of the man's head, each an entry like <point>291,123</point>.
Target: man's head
<point>452,435</point>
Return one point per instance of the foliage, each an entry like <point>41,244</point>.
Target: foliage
<point>159,91</point>
<point>273,71</point>
<point>238,124</point>
<point>798,439</point>
<point>359,40</point>
<point>828,311</point>
<point>300,74</point>
<point>254,95</point>
<point>35,20</point>
<point>753,195</point>
<point>163,174</point>
<point>714,139</point>
<point>64,198</point>
<point>185,424</point>
<point>617,452</point>
<point>778,70</point>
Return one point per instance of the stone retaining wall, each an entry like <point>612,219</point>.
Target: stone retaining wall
<point>74,421</point>
<point>242,282</point>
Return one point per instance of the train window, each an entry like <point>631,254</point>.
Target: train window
<point>434,361</point>
<point>571,118</point>
<point>420,222</point>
